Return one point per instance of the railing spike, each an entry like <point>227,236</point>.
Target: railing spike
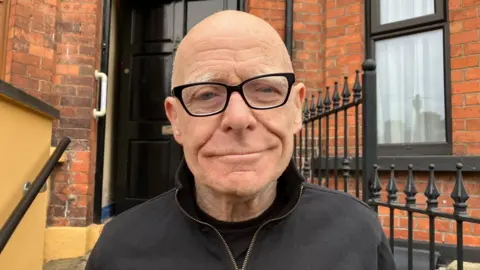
<point>346,91</point>
<point>336,96</point>
<point>312,106</point>
<point>305,111</point>
<point>392,188</point>
<point>357,87</point>
<point>327,101</point>
<point>431,192</point>
<point>319,103</point>
<point>410,190</point>
<point>376,186</point>
<point>459,193</point>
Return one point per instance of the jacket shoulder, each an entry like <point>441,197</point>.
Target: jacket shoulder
<point>342,206</point>
<point>155,207</point>
<point>337,195</point>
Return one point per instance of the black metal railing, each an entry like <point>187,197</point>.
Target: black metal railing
<point>327,151</point>
<point>432,210</point>
<point>16,216</point>
<point>315,158</point>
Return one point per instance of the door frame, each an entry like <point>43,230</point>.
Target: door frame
<point>100,165</point>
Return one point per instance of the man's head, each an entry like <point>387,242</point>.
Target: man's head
<point>240,150</point>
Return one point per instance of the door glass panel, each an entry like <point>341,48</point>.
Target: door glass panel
<point>410,88</point>
<point>400,10</point>
<point>199,10</point>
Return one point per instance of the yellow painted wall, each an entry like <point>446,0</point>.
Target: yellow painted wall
<point>70,242</point>
<point>25,138</point>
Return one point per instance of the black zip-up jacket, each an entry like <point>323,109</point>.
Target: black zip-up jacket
<point>320,229</point>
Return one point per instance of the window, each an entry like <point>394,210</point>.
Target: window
<point>409,40</point>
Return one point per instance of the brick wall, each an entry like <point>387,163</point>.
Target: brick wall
<point>52,54</point>
<point>465,63</point>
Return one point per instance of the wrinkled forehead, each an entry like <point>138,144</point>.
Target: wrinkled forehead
<point>232,59</point>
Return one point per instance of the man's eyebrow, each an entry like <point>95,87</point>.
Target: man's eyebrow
<point>205,77</point>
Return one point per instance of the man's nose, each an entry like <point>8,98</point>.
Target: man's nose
<point>237,116</point>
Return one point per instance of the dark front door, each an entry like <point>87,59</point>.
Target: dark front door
<point>146,154</point>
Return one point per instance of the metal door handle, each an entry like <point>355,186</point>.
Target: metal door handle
<point>103,95</point>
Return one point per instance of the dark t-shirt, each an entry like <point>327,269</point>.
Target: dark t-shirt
<point>238,235</point>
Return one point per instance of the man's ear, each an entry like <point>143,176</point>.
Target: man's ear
<point>171,107</point>
<point>299,91</point>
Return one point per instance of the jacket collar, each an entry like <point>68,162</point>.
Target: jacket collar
<point>289,182</point>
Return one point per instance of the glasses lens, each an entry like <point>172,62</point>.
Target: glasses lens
<point>266,92</point>
<point>204,99</point>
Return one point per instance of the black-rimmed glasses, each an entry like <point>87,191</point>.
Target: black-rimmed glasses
<point>260,93</point>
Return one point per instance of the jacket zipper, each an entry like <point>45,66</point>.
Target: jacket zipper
<point>232,258</point>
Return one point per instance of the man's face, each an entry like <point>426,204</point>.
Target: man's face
<point>241,150</point>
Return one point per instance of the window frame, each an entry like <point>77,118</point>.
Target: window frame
<point>375,32</point>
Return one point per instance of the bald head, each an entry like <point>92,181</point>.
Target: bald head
<point>241,39</point>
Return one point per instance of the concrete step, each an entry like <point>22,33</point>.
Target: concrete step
<point>67,264</point>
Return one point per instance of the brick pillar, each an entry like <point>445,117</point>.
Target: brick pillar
<point>345,39</point>
<point>30,49</point>
<point>465,76</point>
<point>77,43</point>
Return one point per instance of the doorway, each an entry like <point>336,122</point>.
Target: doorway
<point>144,154</point>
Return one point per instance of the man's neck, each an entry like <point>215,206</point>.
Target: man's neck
<point>234,209</point>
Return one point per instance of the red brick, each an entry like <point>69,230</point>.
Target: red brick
<point>454,4</point>
<point>24,82</point>
<point>334,13</point>
<point>457,75</point>
<point>335,32</point>
<point>472,99</point>
<point>463,14</point>
<point>471,24</point>
<point>38,73</point>
<point>355,8</point>
<point>19,68</point>
<point>472,48</point>
<point>465,87</point>
<point>466,112</point>
<point>349,20</point>
<point>458,100</point>
<point>464,37</point>
<point>472,74</point>
<point>467,3</point>
<point>355,48</point>
<point>87,8</point>
<point>25,58</point>
<point>473,124</point>
<point>458,124</point>
<point>456,27</point>
<point>63,69</point>
<point>456,50</point>
<point>331,23</point>
<point>346,2</point>
<point>465,62</point>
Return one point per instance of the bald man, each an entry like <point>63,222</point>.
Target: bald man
<point>239,202</point>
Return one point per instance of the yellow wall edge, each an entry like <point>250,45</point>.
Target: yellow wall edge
<point>70,242</point>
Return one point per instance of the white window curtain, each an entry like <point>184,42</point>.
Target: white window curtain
<point>399,10</point>
<point>410,88</point>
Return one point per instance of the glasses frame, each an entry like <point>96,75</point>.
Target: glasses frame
<point>177,92</point>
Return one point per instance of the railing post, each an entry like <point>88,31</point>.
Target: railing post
<point>369,126</point>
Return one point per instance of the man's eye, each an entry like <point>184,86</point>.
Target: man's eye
<point>267,90</point>
<point>205,95</point>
